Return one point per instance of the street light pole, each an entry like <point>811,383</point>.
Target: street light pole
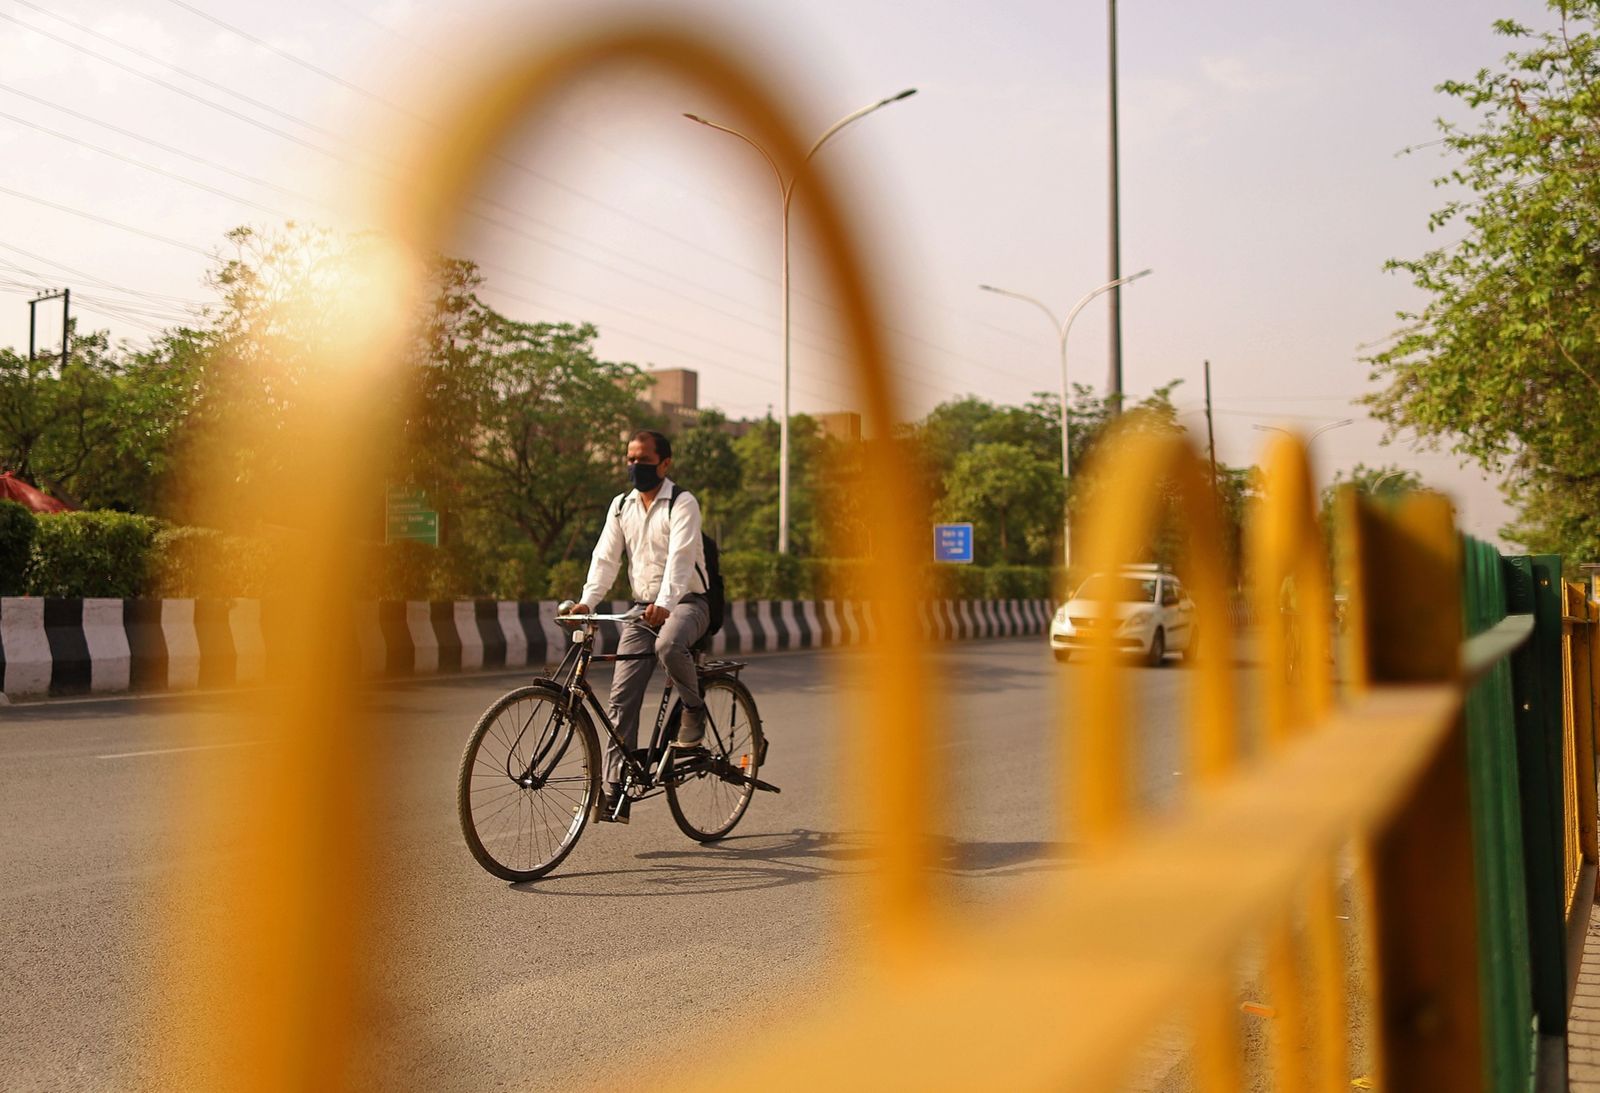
<point>786,188</point>
<point>1114,216</point>
<point>1062,328</point>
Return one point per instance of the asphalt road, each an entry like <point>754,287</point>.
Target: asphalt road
<point>642,949</point>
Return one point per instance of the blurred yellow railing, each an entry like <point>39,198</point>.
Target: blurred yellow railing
<point>1578,619</point>
<point>1320,870</point>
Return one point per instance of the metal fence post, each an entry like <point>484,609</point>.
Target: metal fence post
<point>1405,572</point>
<point>1502,900</point>
<point>1533,586</point>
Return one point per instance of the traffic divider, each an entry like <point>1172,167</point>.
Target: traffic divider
<point>66,647</point>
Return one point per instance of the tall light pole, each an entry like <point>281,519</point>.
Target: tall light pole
<point>1062,328</point>
<point>1114,216</point>
<point>786,188</point>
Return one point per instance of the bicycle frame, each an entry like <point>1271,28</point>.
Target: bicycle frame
<point>571,676</point>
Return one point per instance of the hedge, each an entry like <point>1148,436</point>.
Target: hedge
<point>92,554</point>
<point>752,575</point>
<point>17,531</point>
<point>120,555</point>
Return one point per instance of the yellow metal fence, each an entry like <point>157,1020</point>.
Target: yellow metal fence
<point>1320,871</point>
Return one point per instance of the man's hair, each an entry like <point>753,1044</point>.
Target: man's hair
<point>663,446</point>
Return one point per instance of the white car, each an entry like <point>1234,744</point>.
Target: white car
<point>1149,612</point>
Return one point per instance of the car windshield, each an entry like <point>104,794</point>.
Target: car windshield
<point>1103,586</point>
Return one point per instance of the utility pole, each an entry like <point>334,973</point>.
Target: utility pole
<point>65,296</point>
<point>1114,382</point>
<point>1211,436</point>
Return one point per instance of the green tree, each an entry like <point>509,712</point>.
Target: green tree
<point>706,463</point>
<point>752,520</point>
<point>543,451</point>
<point>96,431</point>
<point>1502,363</point>
<point>1012,497</point>
<point>30,409</point>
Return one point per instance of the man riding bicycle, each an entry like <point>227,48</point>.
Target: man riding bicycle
<point>658,526</point>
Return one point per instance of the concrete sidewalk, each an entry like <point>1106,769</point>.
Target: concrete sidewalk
<point>1583,1024</point>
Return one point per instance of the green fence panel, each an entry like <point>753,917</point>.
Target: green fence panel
<point>1504,960</point>
<point>1534,586</point>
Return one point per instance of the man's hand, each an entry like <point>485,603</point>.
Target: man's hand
<point>579,609</point>
<point>655,614</point>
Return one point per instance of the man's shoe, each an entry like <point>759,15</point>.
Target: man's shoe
<point>691,728</point>
<point>613,807</point>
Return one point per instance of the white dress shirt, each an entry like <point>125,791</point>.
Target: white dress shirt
<point>665,559</point>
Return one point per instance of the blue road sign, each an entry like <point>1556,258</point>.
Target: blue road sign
<point>952,543</point>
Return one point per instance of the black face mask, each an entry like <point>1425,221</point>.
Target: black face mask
<point>644,476</point>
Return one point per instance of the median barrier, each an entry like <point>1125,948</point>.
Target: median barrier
<point>61,647</point>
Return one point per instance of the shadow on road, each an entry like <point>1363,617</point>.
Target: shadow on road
<point>749,863</point>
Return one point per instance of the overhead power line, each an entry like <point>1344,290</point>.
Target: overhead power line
<point>254,180</point>
<point>167,239</point>
<point>174,88</point>
<point>160,297</point>
<point>341,81</point>
<point>914,376</point>
<point>185,179</point>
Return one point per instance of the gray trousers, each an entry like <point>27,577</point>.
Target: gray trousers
<point>682,629</point>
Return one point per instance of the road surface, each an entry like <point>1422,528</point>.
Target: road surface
<point>641,950</point>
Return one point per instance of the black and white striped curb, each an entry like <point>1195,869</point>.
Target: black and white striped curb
<point>64,647</point>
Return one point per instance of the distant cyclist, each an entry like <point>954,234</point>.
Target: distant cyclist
<point>658,526</point>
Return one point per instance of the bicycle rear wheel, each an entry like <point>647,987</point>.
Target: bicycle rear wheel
<point>528,779</point>
<point>705,804</point>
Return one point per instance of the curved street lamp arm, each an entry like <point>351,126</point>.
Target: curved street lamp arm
<point>1107,287</point>
<point>782,185</point>
<point>856,116</point>
<point>1055,323</point>
<point>1314,433</point>
<point>1331,425</point>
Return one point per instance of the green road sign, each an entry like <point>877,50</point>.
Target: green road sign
<point>405,499</point>
<point>407,516</point>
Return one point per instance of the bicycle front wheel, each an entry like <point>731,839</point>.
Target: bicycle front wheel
<point>528,779</point>
<point>705,803</point>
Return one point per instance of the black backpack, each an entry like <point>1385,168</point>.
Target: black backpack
<point>716,595</point>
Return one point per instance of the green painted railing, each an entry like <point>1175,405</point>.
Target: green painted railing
<point>1532,775</point>
<point>1505,964</point>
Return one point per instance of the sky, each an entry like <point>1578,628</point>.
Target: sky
<point>1263,167</point>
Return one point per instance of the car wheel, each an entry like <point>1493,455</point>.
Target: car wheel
<point>1062,655</point>
<point>1158,649</point>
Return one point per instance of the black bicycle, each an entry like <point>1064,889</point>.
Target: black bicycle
<point>530,777</point>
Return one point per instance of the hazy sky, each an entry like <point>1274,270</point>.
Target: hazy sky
<point>1260,179</point>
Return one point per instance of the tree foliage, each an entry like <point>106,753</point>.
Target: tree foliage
<point>514,430</point>
<point>1012,496</point>
<point>1503,360</point>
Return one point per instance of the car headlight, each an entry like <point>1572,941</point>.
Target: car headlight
<point>1061,613</point>
<point>1137,619</point>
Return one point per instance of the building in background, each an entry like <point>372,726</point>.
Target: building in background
<point>675,395</point>
<point>840,425</point>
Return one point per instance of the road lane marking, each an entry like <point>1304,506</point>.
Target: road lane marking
<point>174,751</point>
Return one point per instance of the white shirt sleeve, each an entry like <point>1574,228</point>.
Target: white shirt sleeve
<point>683,551</point>
<point>607,558</point>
